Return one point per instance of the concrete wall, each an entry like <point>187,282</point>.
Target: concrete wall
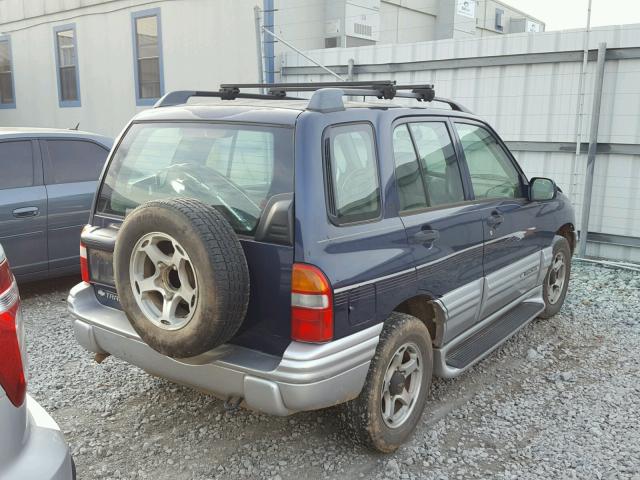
<point>526,86</point>
<point>205,42</point>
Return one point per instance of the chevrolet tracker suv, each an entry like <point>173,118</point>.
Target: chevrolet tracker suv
<point>296,254</point>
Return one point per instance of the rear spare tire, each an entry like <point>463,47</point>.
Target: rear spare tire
<point>181,276</point>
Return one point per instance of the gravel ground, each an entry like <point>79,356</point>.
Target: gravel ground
<point>560,400</point>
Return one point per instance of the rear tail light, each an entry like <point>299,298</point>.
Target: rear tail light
<point>311,305</point>
<point>12,377</point>
<point>84,264</point>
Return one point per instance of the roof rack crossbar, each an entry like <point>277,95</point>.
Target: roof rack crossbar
<point>310,85</point>
<point>328,96</point>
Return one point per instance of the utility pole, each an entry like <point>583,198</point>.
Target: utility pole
<point>583,71</point>
<point>256,11</point>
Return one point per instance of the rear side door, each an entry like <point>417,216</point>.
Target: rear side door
<point>443,227</point>
<point>71,171</point>
<point>512,246</point>
<point>23,207</point>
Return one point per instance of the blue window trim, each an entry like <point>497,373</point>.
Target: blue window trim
<point>56,30</point>
<point>153,12</point>
<point>7,38</point>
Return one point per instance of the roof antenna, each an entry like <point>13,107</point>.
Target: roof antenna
<point>76,127</point>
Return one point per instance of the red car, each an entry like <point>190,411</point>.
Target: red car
<point>31,444</point>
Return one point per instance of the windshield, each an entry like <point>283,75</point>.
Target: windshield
<point>235,168</point>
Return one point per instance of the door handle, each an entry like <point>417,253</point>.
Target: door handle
<point>426,236</point>
<point>495,219</point>
<point>26,212</point>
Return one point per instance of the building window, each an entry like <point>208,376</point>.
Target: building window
<point>7,95</point>
<point>147,42</point>
<point>499,19</point>
<point>67,65</point>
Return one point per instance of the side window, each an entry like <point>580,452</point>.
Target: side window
<point>16,165</point>
<point>493,175</point>
<point>353,186</point>
<point>439,163</point>
<point>408,178</point>
<point>74,161</point>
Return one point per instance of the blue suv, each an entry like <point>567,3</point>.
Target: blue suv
<point>297,254</point>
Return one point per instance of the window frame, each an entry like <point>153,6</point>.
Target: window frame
<point>7,39</point>
<point>56,30</point>
<point>328,177</point>
<point>462,168</point>
<point>135,16</point>
<point>524,181</point>
<point>48,170</point>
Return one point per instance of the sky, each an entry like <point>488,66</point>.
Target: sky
<point>564,14</point>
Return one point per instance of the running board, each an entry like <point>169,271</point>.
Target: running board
<point>466,350</point>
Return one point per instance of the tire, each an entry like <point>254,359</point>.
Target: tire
<point>554,298</point>
<point>363,417</point>
<point>181,276</point>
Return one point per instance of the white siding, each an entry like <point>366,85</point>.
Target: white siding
<point>218,46</point>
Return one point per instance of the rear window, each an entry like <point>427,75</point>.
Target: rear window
<point>235,168</point>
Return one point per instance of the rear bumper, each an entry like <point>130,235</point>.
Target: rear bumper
<point>44,454</point>
<point>307,377</point>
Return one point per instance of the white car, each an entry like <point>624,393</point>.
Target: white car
<point>32,446</point>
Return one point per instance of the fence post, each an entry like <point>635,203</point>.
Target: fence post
<point>593,146</point>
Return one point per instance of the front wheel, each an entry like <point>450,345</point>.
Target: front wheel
<point>395,392</point>
<point>556,282</point>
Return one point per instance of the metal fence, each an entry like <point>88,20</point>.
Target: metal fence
<point>528,86</point>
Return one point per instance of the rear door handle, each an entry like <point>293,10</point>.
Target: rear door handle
<point>495,219</point>
<point>26,212</point>
<point>426,236</point>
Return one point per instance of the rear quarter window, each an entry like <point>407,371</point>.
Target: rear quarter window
<point>351,171</point>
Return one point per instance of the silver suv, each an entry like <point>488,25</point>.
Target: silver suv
<point>31,444</point>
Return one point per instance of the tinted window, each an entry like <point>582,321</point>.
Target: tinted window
<point>148,56</point>
<point>235,168</point>
<point>408,177</point>
<point>493,175</point>
<point>354,190</point>
<point>439,163</point>
<point>74,161</point>
<point>16,164</point>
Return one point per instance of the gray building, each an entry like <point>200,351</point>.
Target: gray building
<point>310,24</point>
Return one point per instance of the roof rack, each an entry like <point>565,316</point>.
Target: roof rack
<point>327,97</point>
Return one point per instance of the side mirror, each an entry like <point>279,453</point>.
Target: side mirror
<point>542,189</point>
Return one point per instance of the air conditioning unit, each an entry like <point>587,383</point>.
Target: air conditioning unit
<point>358,20</point>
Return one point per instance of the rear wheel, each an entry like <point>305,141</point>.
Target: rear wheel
<point>556,282</point>
<point>395,392</point>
